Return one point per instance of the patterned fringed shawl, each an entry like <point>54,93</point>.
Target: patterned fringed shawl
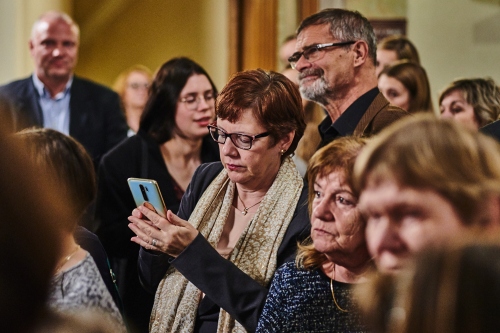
<point>176,300</point>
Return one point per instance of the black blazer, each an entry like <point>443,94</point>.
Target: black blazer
<point>115,203</point>
<point>223,283</point>
<point>96,120</point>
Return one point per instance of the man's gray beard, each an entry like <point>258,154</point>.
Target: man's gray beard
<point>316,92</point>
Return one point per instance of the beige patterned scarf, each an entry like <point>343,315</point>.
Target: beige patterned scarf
<point>177,299</point>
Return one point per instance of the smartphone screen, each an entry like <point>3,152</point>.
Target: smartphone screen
<point>147,193</point>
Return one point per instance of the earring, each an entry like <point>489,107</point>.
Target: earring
<point>282,152</point>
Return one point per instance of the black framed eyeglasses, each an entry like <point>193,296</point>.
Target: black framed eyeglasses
<point>242,141</point>
<point>193,101</point>
<point>314,52</point>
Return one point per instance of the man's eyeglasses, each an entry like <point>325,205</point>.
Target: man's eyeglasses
<point>314,52</point>
<point>241,141</point>
<point>193,101</point>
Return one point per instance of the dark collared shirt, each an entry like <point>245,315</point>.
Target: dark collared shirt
<point>347,122</point>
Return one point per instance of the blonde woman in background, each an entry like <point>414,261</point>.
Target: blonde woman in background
<point>472,102</point>
<point>132,85</point>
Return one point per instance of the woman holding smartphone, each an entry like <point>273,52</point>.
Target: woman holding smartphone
<point>171,143</point>
<point>211,263</point>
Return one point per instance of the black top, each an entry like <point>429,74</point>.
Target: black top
<point>347,122</point>
<point>115,204</point>
<point>492,129</point>
<point>223,283</point>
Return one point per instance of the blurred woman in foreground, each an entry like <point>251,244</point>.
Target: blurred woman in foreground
<point>77,284</point>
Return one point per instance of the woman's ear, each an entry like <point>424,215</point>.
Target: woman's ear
<point>286,141</point>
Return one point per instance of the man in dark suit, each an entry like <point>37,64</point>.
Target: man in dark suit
<point>53,97</point>
<point>335,56</point>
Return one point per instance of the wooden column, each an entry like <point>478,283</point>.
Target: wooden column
<point>307,8</point>
<point>253,34</point>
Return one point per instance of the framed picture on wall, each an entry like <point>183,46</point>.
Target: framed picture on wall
<point>384,28</point>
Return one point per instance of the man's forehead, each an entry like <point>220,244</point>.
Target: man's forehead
<point>51,25</point>
<point>314,34</point>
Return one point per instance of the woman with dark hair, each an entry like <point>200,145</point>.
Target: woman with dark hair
<point>171,143</point>
<point>239,220</point>
<point>405,84</point>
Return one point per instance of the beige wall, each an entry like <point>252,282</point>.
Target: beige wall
<point>376,9</point>
<point>16,20</point>
<point>456,38</point>
<point>150,32</point>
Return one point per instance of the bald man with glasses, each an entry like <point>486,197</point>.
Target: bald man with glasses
<point>335,57</point>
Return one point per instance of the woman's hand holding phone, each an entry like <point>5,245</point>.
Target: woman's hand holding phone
<point>170,235</point>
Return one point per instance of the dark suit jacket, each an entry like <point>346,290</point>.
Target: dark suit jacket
<point>115,203</point>
<point>366,116</point>
<point>224,284</point>
<point>96,120</point>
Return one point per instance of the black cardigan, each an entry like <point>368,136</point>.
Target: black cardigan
<point>115,204</point>
<point>223,283</point>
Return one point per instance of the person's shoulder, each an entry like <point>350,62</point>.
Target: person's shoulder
<point>15,86</point>
<point>125,150</point>
<point>492,129</point>
<point>288,268</point>
<point>209,150</point>
<point>386,114</point>
<point>290,274</point>
<point>130,143</point>
<point>203,176</point>
<point>394,110</point>
<point>91,86</point>
<point>386,108</point>
<point>209,170</point>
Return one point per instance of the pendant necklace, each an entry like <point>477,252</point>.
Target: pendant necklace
<point>333,294</point>
<point>245,209</point>
<point>66,259</point>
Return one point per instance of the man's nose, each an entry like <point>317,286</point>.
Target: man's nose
<point>302,63</point>
<point>56,51</point>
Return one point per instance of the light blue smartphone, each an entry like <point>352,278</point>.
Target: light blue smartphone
<point>147,193</point>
